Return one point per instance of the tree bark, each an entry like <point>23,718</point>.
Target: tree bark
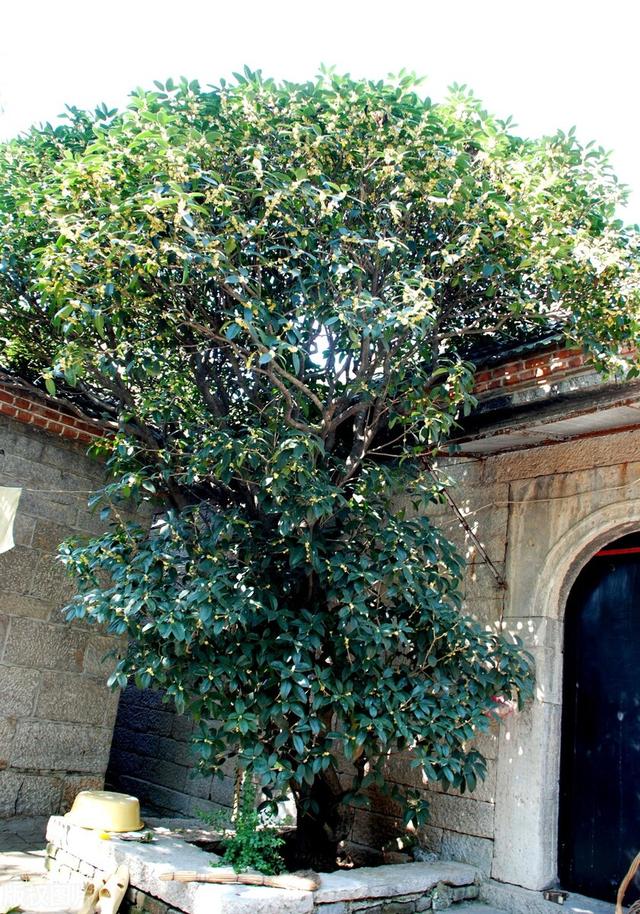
<point>323,821</point>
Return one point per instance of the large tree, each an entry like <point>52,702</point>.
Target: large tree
<point>272,292</point>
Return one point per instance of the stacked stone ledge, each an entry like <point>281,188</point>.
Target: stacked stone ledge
<point>74,853</point>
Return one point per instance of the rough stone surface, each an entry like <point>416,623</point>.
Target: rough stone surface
<point>72,786</point>
<point>152,757</point>
<point>468,849</point>
<point>24,794</point>
<point>402,889</point>
<point>386,881</point>
<point>517,900</point>
<point>72,697</point>
<point>38,645</point>
<point>56,715</point>
<point>541,513</point>
<point>461,814</point>
<point>147,861</point>
<point>60,746</point>
<point>18,690</point>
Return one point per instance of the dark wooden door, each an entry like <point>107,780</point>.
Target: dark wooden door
<point>599,827</point>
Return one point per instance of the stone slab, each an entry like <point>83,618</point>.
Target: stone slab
<point>39,645</point>
<point>392,880</point>
<point>61,746</point>
<point>74,697</point>
<point>168,852</point>
<point>517,900</point>
<point>477,907</point>
<point>18,689</point>
<point>147,862</point>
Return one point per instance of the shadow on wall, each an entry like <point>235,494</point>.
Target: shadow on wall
<point>152,758</point>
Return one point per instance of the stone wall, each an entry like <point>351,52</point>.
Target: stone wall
<point>540,514</point>
<point>151,757</point>
<point>56,714</point>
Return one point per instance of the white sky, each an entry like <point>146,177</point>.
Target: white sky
<point>549,64</point>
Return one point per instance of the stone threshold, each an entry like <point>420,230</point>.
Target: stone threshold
<point>392,889</point>
<point>514,899</point>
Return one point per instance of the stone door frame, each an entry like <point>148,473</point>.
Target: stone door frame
<point>527,791</point>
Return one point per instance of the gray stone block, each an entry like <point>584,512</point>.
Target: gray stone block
<point>178,752</point>
<point>4,628</point>
<point>71,458</point>
<point>398,907</point>
<point>373,829</point>
<point>468,849</point>
<point>23,527</point>
<point>155,796</point>
<point>61,747</point>
<point>136,718</point>
<point>150,698</point>
<point>50,580</point>
<point>135,740</point>
<point>33,474</point>
<point>48,535</point>
<point>74,783</point>
<point>198,785</point>
<point>461,814</point>
<point>17,438</point>
<point>97,659</point>
<point>423,904</point>
<point>18,690</point>
<point>7,733</point>
<point>441,897</point>
<point>222,792</point>
<point>9,789</point>
<point>28,795</point>
<point>18,604</point>
<point>74,697</point>
<point>39,645</point>
<point>88,522</point>
<point>333,907</point>
<point>17,569</point>
<point>36,504</point>
<point>182,727</point>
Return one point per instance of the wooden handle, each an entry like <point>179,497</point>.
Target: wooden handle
<point>624,885</point>
<point>303,882</point>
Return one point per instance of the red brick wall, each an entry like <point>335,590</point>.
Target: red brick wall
<point>530,369</point>
<point>33,412</point>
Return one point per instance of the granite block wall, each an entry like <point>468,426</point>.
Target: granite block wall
<point>56,713</point>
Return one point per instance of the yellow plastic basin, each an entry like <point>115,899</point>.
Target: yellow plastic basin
<point>104,810</point>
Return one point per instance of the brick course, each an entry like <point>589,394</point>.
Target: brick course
<point>540,368</point>
<point>31,411</point>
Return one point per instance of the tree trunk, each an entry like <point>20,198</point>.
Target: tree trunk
<point>322,823</point>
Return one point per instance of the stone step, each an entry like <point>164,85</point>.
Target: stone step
<point>477,907</point>
<point>513,899</point>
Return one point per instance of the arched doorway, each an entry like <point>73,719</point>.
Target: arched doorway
<point>599,818</point>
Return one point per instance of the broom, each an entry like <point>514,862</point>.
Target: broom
<point>306,881</point>
<point>624,885</point>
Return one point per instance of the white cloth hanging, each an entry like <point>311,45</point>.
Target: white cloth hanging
<point>9,498</point>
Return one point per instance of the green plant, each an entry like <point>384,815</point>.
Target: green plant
<point>255,843</point>
<point>271,292</point>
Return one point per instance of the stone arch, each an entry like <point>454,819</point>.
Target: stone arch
<point>527,792</point>
<point>566,559</point>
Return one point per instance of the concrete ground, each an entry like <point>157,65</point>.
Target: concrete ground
<point>24,881</point>
<point>22,833</point>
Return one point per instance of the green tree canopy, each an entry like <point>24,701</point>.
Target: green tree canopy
<point>272,292</point>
